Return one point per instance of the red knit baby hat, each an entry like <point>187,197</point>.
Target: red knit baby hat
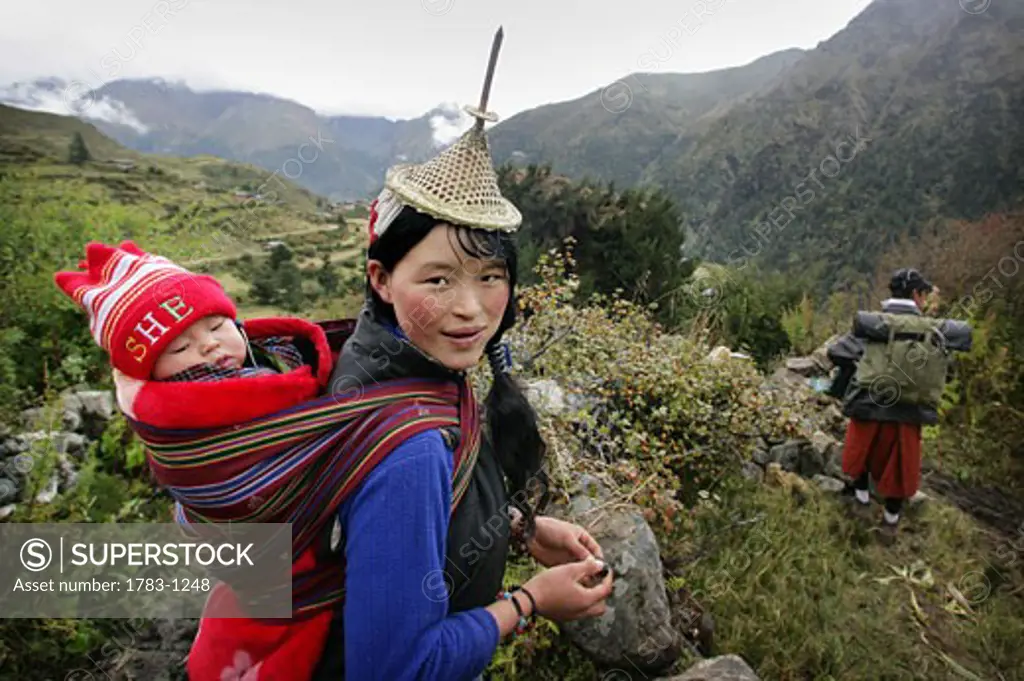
<point>138,302</point>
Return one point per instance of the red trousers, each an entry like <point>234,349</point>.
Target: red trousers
<point>890,452</point>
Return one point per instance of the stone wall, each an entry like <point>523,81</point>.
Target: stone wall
<point>66,430</point>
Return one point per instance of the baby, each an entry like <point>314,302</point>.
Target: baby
<point>163,325</point>
<point>160,322</point>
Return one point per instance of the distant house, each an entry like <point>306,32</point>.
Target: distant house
<point>245,194</point>
<point>272,244</point>
<point>124,164</point>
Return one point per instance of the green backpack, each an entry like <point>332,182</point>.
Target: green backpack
<point>907,367</point>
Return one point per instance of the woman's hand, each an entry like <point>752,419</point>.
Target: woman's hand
<point>562,596</point>
<point>556,542</point>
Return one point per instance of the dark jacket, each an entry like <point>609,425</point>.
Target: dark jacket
<point>857,402</point>
<point>478,534</point>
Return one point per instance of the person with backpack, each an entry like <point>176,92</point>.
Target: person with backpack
<point>892,373</point>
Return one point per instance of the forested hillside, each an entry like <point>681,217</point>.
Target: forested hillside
<point>616,133</point>
<point>913,112</point>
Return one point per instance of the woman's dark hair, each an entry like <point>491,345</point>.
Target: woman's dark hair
<point>510,417</point>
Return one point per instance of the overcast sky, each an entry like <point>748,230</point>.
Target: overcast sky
<point>400,58</point>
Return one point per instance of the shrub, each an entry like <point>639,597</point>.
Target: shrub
<point>659,406</point>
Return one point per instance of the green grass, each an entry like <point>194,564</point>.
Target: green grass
<point>809,593</point>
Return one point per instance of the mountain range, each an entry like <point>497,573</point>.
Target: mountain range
<point>340,157</point>
<point>912,112</point>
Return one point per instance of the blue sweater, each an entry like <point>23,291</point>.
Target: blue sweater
<point>397,624</point>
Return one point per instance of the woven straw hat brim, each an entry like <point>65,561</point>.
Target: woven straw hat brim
<point>458,186</point>
<point>504,216</point>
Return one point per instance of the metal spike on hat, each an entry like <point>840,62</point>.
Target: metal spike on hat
<point>459,185</point>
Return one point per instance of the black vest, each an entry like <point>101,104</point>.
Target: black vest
<point>478,535</point>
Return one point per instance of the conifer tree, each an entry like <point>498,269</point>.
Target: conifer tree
<point>78,153</point>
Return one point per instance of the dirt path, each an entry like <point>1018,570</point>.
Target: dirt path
<point>997,508</point>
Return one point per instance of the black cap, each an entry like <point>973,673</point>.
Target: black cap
<point>905,281</point>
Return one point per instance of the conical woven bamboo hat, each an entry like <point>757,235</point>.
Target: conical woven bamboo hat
<point>459,185</point>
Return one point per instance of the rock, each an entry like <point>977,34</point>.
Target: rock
<point>822,443</point>
<point>25,442</point>
<point>723,353</point>
<point>636,630</point>
<point>71,421</point>
<point>810,462</point>
<point>719,354</point>
<point>820,355</point>
<point>8,490</point>
<point>829,484</point>
<point>22,464</point>
<point>94,407</point>
<point>7,511</point>
<point>95,403</point>
<point>835,414</point>
<point>63,443</point>
<point>834,462</point>
<point>774,476</point>
<point>68,474</point>
<point>787,454</point>
<point>581,402</point>
<point>721,668</point>
<point>49,493</point>
<point>31,418</point>
<point>752,471</point>
<point>70,443</point>
<point>589,492</point>
<point>15,445</point>
<point>546,395</point>
<point>785,377</point>
<point>804,366</point>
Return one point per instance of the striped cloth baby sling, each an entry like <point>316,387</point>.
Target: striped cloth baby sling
<point>293,464</point>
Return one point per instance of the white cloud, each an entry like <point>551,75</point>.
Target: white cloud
<point>65,99</point>
<point>449,123</point>
<point>398,57</point>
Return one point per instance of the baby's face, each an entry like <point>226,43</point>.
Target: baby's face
<point>211,340</point>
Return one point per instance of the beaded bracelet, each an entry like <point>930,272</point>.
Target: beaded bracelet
<point>525,623</point>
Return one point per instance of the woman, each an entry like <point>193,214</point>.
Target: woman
<point>422,582</point>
